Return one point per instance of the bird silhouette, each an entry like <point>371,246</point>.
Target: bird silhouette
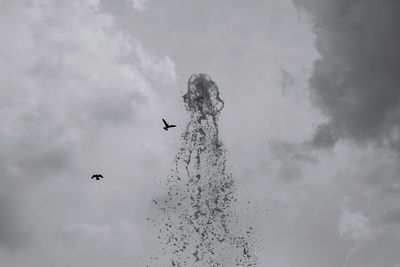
<point>97,176</point>
<point>167,125</point>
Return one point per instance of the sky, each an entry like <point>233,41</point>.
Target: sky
<point>310,123</point>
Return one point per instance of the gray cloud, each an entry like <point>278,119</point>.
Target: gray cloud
<point>391,217</point>
<point>292,158</point>
<point>355,82</point>
<point>13,233</point>
<point>323,137</point>
<point>381,249</point>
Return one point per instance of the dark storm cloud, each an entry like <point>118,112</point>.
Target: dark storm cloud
<point>356,80</point>
<point>324,137</point>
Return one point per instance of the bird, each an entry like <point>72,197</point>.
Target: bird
<point>167,125</point>
<point>97,176</point>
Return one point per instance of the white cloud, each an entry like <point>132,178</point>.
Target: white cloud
<point>69,81</point>
<point>63,78</point>
<point>138,4</point>
<point>159,69</point>
<point>353,225</point>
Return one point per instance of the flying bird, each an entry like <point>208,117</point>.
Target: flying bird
<point>97,176</point>
<point>167,125</point>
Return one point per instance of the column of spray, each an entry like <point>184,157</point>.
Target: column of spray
<point>198,226</point>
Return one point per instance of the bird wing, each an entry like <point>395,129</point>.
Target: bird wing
<point>166,124</point>
<point>172,125</point>
<point>101,176</point>
<point>93,176</point>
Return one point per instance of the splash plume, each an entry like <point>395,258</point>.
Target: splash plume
<point>198,224</point>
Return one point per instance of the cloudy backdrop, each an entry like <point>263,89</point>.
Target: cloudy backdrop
<point>311,122</point>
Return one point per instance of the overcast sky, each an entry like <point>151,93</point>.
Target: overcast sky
<point>311,122</point>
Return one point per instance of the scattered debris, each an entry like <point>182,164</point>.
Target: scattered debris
<point>197,222</point>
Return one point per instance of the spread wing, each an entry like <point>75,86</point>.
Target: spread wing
<point>165,123</point>
<point>94,176</point>
<point>172,125</point>
<point>100,176</point>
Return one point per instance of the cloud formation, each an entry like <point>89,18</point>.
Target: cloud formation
<point>353,225</point>
<point>64,78</point>
<point>140,5</point>
<point>355,82</point>
<point>68,77</point>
